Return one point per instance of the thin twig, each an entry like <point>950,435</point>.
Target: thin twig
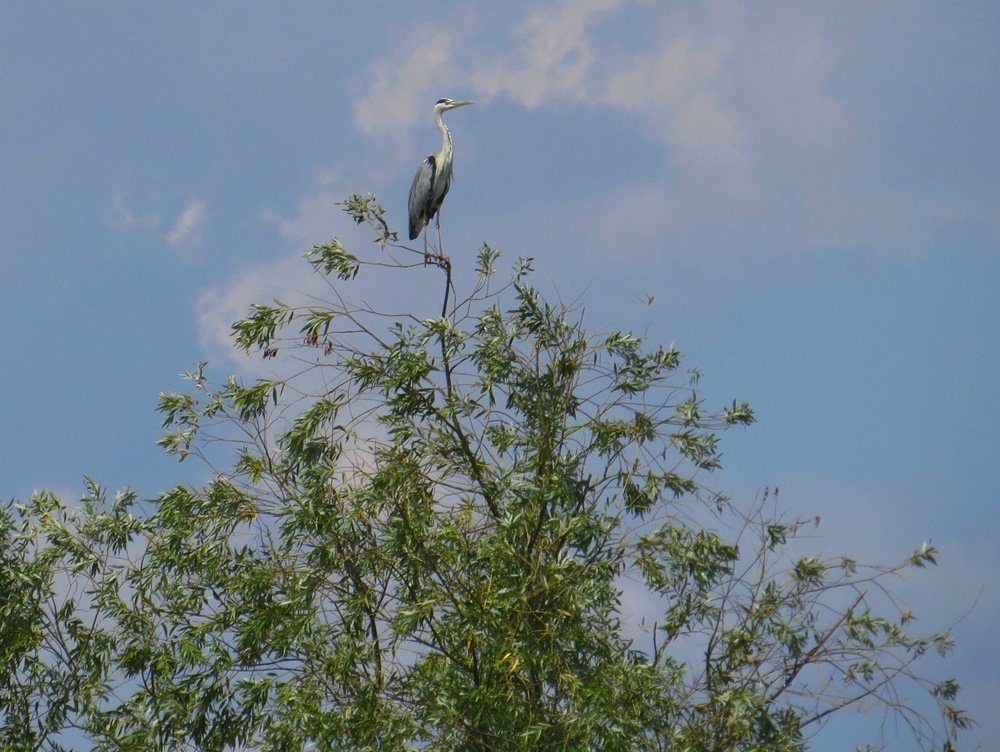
<point>808,657</point>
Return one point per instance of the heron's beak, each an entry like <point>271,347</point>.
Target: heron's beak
<point>461,103</point>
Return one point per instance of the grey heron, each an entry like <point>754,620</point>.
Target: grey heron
<point>431,183</point>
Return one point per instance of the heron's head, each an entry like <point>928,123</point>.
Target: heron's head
<point>445,104</point>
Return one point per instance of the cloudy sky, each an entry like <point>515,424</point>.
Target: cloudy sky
<point>811,191</point>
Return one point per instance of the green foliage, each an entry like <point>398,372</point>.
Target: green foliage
<point>432,537</point>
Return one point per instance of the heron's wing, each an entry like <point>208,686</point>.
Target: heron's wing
<point>421,195</point>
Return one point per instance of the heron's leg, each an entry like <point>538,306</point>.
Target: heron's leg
<point>437,223</point>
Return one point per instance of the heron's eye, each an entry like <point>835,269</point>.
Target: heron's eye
<point>443,101</point>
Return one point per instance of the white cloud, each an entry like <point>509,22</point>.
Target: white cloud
<point>763,159</point>
<point>187,223</point>
<point>554,57</point>
<point>402,88</point>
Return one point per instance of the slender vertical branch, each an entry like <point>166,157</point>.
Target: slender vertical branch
<point>445,263</point>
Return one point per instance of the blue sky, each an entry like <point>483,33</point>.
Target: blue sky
<point>810,190</point>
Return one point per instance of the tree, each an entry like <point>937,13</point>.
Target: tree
<point>424,540</point>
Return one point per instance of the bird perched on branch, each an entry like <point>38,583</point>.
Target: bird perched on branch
<point>433,179</point>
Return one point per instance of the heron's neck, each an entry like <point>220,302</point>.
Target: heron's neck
<point>445,134</point>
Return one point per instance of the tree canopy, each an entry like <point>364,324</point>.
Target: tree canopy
<point>439,533</point>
